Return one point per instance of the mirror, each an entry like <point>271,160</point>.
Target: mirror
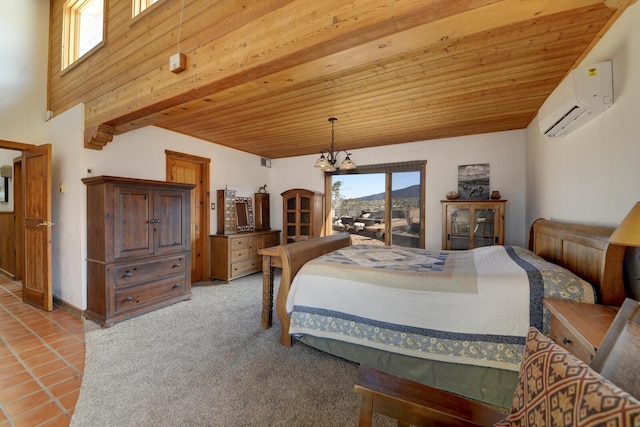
<point>244,214</point>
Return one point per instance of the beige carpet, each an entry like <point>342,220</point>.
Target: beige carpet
<point>207,362</point>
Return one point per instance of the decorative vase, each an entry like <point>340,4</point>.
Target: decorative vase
<point>495,195</point>
<point>452,195</point>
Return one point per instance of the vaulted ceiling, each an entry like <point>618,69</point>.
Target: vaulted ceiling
<point>389,71</point>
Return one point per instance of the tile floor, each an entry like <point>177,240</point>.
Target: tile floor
<point>41,361</point>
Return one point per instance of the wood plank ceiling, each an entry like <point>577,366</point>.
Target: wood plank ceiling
<point>391,72</point>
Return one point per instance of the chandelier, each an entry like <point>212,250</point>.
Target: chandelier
<point>328,163</point>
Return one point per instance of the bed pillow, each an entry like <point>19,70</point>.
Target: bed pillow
<point>556,389</point>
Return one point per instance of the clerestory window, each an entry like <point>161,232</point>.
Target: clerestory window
<point>82,28</point>
<point>139,6</point>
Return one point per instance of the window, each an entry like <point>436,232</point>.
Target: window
<point>82,29</point>
<point>379,204</point>
<point>138,6</point>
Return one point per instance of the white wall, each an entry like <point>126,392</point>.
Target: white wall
<point>504,151</point>
<point>24,34</point>
<point>592,175</point>
<point>68,235</point>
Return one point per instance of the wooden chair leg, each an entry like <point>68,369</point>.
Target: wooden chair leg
<point>366,411</point>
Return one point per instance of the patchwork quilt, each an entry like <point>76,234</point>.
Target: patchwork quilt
<point>471,307</point>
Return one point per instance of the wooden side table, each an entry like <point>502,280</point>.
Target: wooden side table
<point>270,261</point>
<point>579,327</point>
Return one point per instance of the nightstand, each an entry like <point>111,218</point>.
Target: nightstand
<point>579,327</point>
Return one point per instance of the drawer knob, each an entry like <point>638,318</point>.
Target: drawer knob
<point>130,298</point>
<point>128,274</point>
<point>176,286</point>
<point>566,341</point>
<point>176,265</point>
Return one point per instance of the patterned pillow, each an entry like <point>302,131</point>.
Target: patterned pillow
<point>556,389</point>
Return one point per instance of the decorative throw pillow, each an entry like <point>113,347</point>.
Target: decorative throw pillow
<point>556,389</point>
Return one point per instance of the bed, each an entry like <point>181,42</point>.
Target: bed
<point>424,315</point>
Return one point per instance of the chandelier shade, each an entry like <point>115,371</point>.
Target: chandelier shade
<point>329,158</point>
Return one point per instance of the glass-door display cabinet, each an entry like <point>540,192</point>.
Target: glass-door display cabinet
<point>468,224</point>
<point>302,215</point>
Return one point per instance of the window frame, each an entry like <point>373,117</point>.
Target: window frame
<point>72,9</point>
<point>138,11</point>
<point>388,169</point>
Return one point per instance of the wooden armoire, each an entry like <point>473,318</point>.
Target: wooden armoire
<point>138,246</point>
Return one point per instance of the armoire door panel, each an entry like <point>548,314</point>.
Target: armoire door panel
<point>134,233</point>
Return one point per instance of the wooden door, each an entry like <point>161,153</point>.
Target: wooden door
<point>189,169</point>
<point>36,185</point>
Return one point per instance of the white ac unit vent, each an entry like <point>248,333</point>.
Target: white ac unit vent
<point>582,95</point>
<point>265,162</point>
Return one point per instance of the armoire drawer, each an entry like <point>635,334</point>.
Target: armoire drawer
<point>126,274</point>
<point>129,297</point>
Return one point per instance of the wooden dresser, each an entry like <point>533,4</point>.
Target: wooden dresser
<point>236,255</point>
<point>138,246</point>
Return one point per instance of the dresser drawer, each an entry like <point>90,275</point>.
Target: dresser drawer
<point>240,243</point>
<point>246,267</point>
<point>129,297</point>
<point>240,255</point>
<point>147,270</point>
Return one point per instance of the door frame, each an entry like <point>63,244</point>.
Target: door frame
<point>202,189</point>
<point>19,238</point>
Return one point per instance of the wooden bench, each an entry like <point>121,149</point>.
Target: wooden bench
<point>412,403</point>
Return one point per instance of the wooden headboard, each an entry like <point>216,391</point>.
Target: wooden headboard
<point>585,250</point>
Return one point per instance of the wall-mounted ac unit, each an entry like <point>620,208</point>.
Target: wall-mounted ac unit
<point>582,95</point>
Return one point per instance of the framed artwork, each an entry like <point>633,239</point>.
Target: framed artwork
<point>4,189</point>
<point>473,181</point>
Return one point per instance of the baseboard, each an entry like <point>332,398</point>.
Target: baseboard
<point>7,274</point>
<point>69,307</point>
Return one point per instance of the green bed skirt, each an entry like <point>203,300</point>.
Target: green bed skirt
<point>489,385</point>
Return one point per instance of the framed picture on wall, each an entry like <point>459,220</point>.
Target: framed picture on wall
<point>4,189</point>
<point>473,181</point>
